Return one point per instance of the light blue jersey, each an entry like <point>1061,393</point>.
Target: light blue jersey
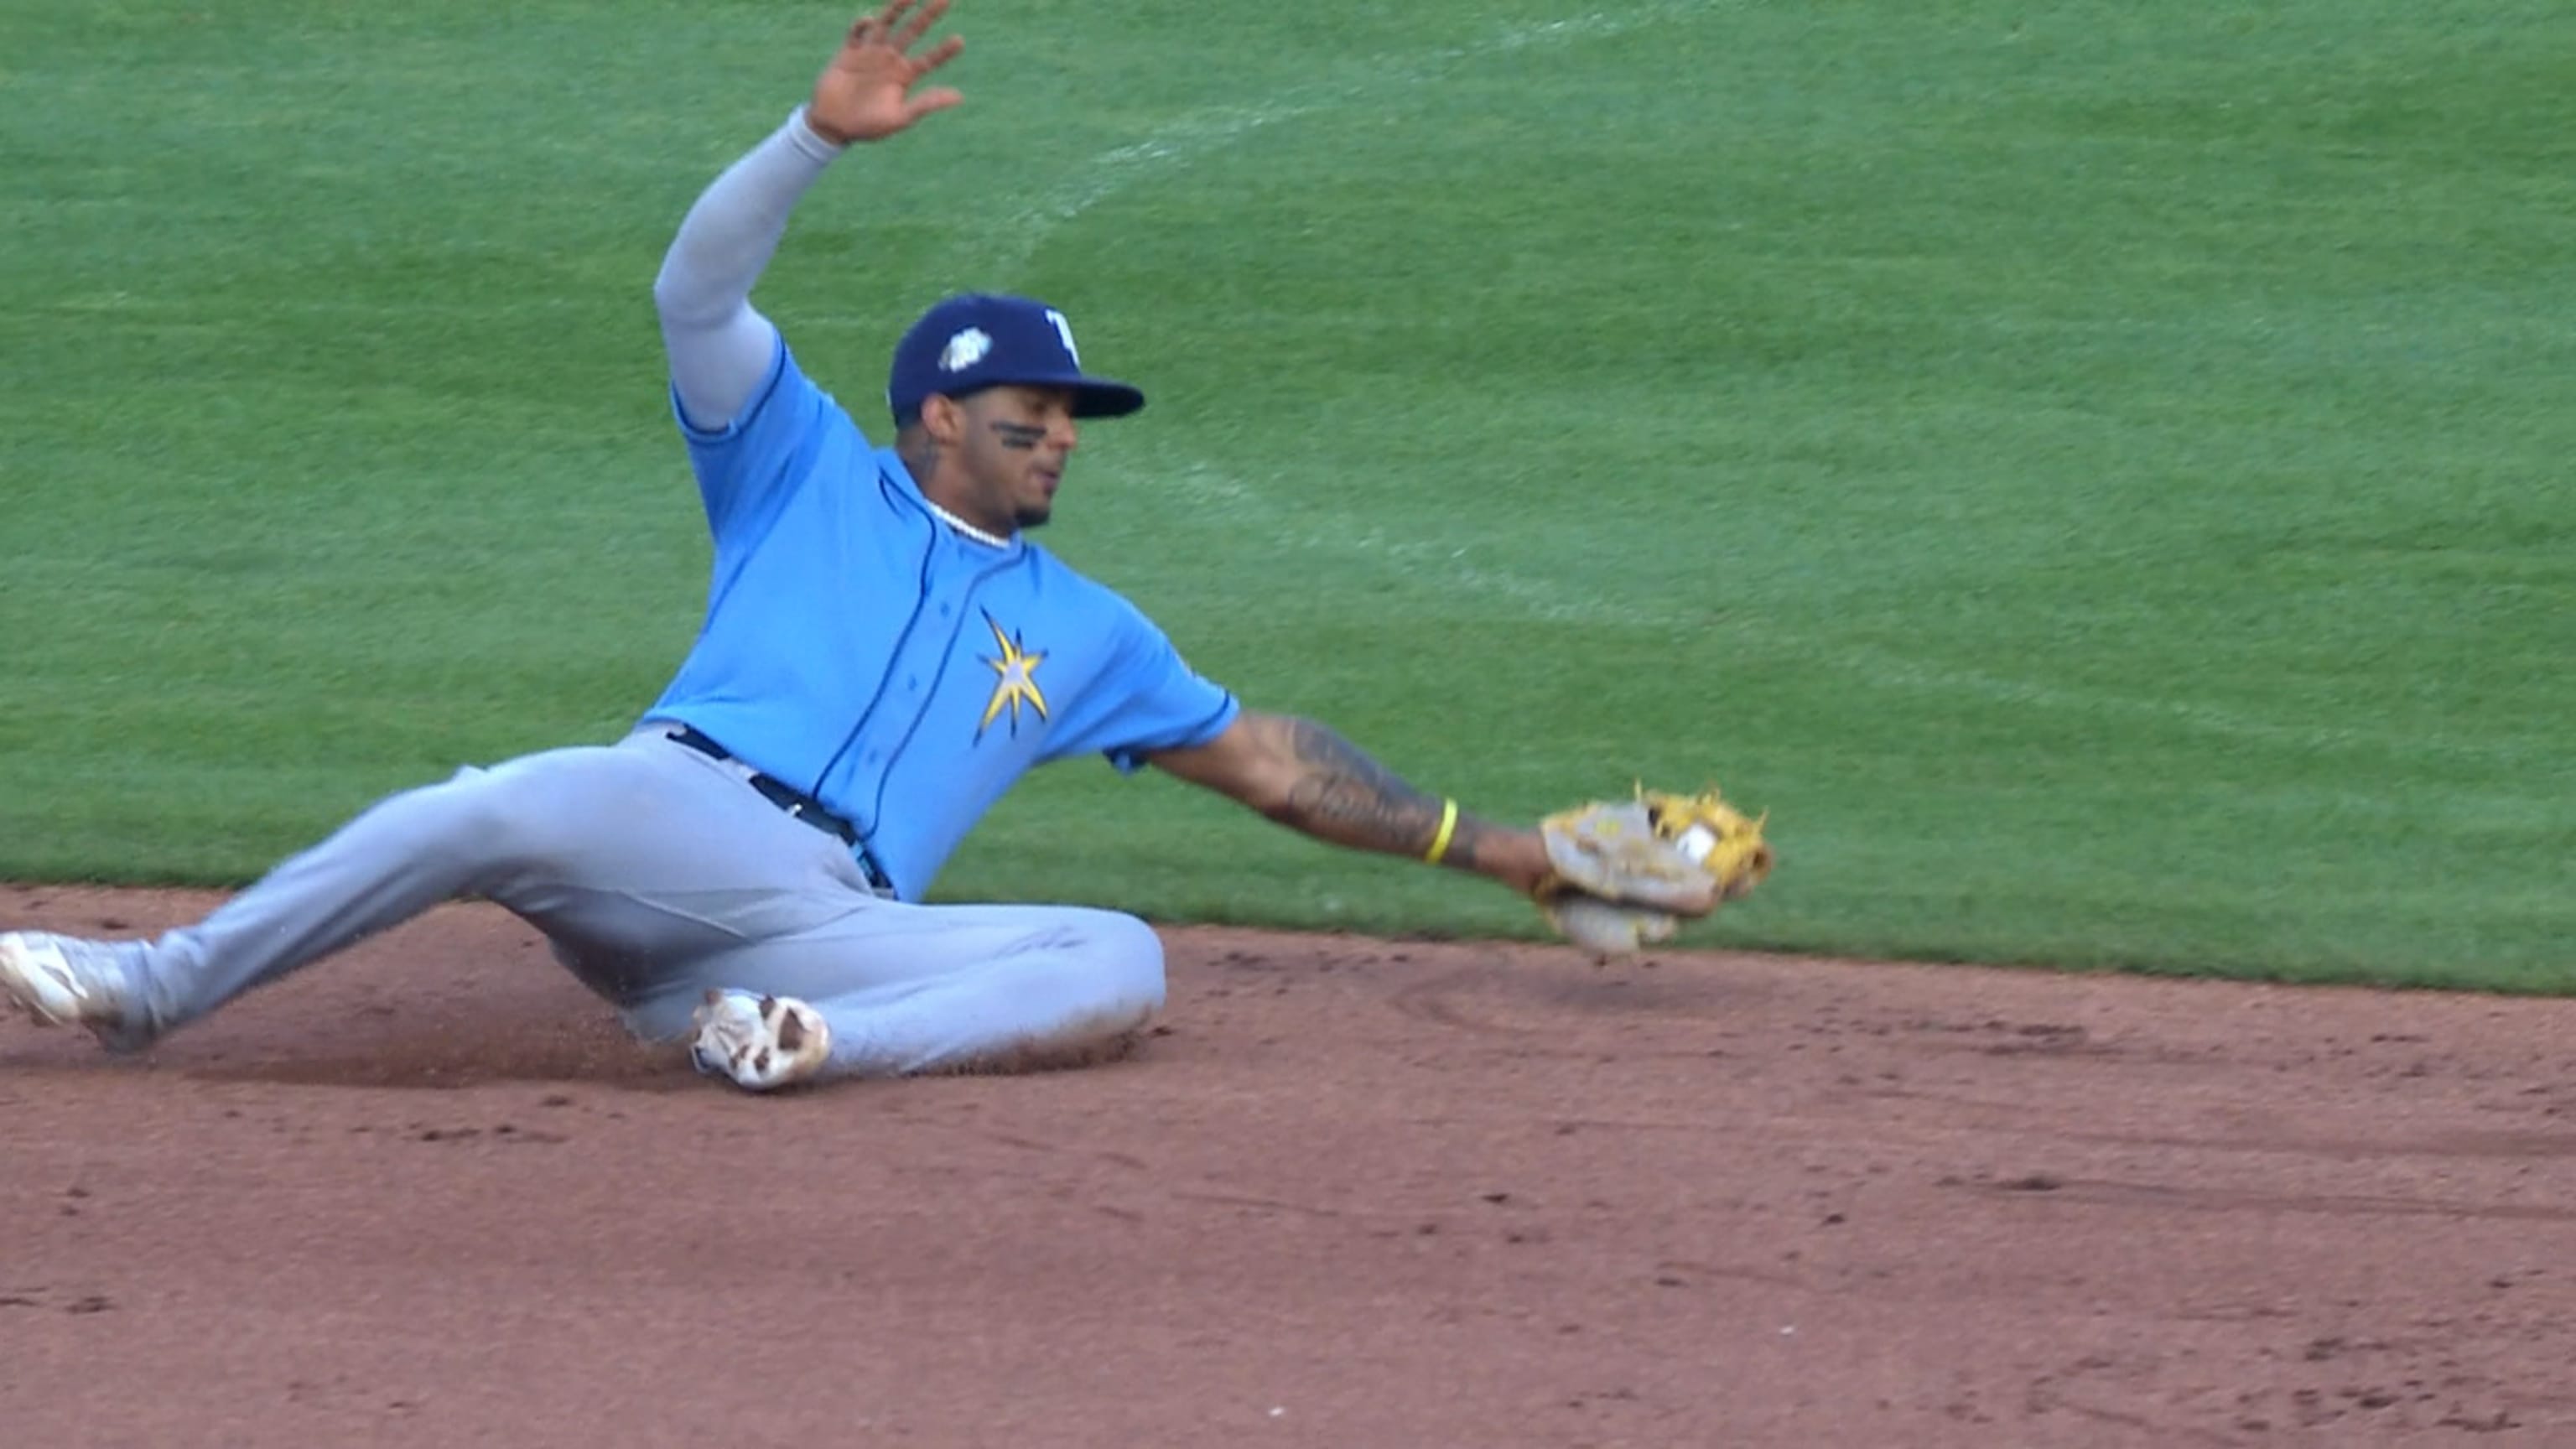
<point>862,650</point>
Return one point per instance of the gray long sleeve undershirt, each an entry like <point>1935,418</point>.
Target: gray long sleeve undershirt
<point>720,347</point>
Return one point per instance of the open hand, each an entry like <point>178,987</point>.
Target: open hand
<point>866,93</point>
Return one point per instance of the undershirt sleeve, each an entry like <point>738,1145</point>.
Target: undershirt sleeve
<point>721,349</point>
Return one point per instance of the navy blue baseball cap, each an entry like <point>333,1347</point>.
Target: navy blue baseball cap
<point>983,339</point>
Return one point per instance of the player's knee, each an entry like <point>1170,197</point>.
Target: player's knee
<point>1105,984</point>
<point>1129,958</point>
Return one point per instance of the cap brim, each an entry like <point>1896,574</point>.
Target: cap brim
<point>1093,397</point>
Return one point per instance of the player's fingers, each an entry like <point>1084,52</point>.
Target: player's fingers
<point>870,28</point>
<point>920,23</point>
<point>929,101</point>
<point>939,55</point>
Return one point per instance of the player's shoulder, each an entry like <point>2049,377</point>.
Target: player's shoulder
<point>823,406</point>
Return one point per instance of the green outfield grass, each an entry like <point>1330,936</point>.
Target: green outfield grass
<point>2096,473</point>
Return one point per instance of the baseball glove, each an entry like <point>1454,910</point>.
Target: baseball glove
<point>1627,873</point>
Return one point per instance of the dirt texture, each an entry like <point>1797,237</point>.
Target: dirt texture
<point>1349,1193</point>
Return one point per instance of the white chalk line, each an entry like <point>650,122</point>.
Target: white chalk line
<point>1441,566</point>
<point>1190,138</point>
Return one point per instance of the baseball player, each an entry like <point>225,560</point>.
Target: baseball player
<point>884,652</point>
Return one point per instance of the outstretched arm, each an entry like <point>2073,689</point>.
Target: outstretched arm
<point>1307,777</point>
<point>719,346</point>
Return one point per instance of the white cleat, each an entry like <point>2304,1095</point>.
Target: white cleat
<point>762,1042</point>
<point>59,981</point>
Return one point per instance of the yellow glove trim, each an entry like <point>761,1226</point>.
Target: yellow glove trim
<point>1448,824</point>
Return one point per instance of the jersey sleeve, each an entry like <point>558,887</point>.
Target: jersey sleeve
<point>747,467</point>
<point>1148,699</point>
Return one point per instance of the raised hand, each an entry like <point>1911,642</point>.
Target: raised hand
<point>866,93</point>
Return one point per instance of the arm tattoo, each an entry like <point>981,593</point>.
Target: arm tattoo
<point>1343,796</point>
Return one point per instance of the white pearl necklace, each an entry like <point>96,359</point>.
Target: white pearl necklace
<point>968,529</point>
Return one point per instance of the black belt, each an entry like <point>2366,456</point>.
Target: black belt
<point>797,804</point>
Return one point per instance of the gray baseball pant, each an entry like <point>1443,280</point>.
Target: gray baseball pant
<point>656,875</point>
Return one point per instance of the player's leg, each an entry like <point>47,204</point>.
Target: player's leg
<point>397,858</point>
<point>892,989</point>
<point>627,856</point>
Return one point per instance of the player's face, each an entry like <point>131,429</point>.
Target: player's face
<point>1016,443</point>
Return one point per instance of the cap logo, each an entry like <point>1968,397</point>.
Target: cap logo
<point>965,350</point>
<point>1064,330</point>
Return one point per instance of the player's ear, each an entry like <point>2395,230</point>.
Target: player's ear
<point>944,418</point>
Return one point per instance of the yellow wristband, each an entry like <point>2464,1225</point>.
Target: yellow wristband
<point>1448,823</point>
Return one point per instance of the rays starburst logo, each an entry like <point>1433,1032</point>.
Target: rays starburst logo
<point>1016,680</point>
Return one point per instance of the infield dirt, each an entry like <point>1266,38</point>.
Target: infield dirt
<point>1351,1192</point>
